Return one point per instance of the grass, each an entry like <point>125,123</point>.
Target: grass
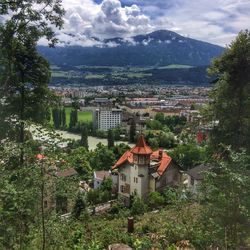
<point>83,116</point>
<point>176,66</point>
<point>94,76</point>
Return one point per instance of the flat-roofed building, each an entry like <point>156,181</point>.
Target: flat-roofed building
<point>106,119</point>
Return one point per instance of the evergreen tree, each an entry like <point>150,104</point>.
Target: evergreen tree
<point>63,118</point>
<point>132,131</point>
<point>84,137</point>
<point>73,118</point>
<point>231,95</point>
<point>111,141</point>
<point>55,116</point>
<point>79,206</point>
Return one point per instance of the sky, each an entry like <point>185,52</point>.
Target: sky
<point>214,21</point>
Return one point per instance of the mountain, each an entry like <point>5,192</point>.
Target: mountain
<point>159,48</point>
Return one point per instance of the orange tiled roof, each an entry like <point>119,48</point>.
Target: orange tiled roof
<point>127,156</point>
<point>164,161</point>
<point>141,147</point>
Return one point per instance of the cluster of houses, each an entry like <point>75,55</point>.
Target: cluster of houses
<point>139,171</point>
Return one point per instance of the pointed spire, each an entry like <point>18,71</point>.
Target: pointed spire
<point>141,147</point>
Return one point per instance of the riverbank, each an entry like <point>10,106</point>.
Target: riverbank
<point>92,141</point>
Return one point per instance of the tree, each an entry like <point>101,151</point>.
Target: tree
<point>226,202</point>
<point>189,155</point>
<point>160,117</point>
<point>231,95</point>
<point>111,141</point>
<point>84,138</point>
<point>55,116</point>
<point>63,118</point>
<point>25,73</point>
<point>73,118</point>
<point>155,199</point>
<point>79,206</point>
<point>102,158</point>
<point>138,206</point>
<point>132,131</point>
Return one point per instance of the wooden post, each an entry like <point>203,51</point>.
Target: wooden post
<point>130,224</point>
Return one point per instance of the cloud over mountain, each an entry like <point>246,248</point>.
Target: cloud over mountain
<point>86,19</point>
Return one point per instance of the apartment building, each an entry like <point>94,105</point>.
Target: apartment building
<point>107,118</point>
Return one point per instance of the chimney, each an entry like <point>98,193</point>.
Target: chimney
<point>160,153</point>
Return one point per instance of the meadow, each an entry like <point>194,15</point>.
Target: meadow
<point>83,116</point>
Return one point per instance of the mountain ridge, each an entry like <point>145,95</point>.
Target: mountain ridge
<point>158,48</point>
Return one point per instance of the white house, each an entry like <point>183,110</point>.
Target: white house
<point>141,171</point>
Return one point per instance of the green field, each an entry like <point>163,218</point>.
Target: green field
<point>83,116</point>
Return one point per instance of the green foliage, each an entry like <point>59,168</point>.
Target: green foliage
<point>132,131</point>
<point>231,95</point>
<point>84,138</point>
<point>79,206</point>
<point>102,158</point>
<point>79,160</point>
<point>155,199</point>
<point>154,125</point>
<point>226,203</point>
<point>25,73</point>
<point>73,119</point>
<point>138,206</point>
<point>161,139</point>
<point>119,150</point>
<point>107,184</point>
<point>111,141</point>
<point>189,155</point>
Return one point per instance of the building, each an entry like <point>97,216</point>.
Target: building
<point>99,177</point>
<point>107,118</point>
<point>141,171</point>
<point>196,175</point>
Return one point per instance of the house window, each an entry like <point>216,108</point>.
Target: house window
<point>123,177</point>
<point>122,188</point>
<point>192,181</point>
<point>135,179</point>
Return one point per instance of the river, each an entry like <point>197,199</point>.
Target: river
<point>92,141</point>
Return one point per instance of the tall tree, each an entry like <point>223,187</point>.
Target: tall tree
<point>111,139</point>
<point>231,95</point>
<point>73,118</point>
<point>226,205</point>
<point>63,118</point>
<point>132,131</point>
<point>25,73</point>
<point>55,116</point>
<point>84,137</point>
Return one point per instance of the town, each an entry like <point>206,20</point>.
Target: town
<point>124,125</point>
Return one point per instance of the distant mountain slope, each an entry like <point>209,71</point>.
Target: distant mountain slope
<point>159,48</point>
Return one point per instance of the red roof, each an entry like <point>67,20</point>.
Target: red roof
<point>40,156</point>
<point>141,147</point>
<point>127,156</point>
<point>164,160</point>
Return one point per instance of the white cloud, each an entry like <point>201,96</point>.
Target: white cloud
<point>215,21</point>
<point>86,19</point>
